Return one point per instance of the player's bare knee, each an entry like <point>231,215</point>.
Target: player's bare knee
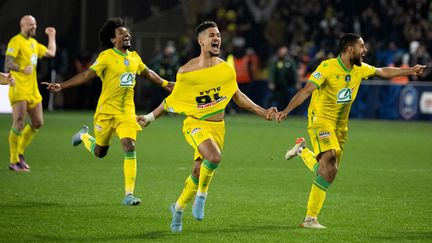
<point>100,154</point>
<point>37,125</point>
<point>128,145</point>
<point>214,158</point>
<point>196,170</point>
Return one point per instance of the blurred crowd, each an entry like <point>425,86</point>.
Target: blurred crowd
<point>274,45</point>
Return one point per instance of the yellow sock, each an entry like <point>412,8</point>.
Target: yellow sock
<point>89,142</point>
<point>310,160</point>
<point>14,137</point>
<point>27,136</point>
<point>188,193</point>
<point>206,175</point>
<point>130,167</point>
<point>317,196</point>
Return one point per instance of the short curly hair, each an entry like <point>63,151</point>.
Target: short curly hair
<point>107,32</point>
<point>347,40</point>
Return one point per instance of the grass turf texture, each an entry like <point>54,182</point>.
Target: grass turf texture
<point>382,191</point>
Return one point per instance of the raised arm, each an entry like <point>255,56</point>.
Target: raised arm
<point>155,78</point>
<point>245,103</point>
<point>297,100</point>
<point>76,80</point>
<point>52,46</point>
<point>391,72</point>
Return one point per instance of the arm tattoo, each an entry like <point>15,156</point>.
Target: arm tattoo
<point>10,64</point>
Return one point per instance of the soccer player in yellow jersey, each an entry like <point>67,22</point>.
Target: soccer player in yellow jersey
<point>203,89</point>
<point>334,86</point>
<point>22,55</point>
<point>116,66</point>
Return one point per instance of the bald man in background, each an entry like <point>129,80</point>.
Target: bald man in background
<point>22,55</point>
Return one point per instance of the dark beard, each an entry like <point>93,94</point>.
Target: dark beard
<point>357,61</point>
<point>126,47</point>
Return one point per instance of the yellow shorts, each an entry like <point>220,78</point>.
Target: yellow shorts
<point>31,99</point>
<point>106,124</point>
<point>197,131</point>
<point>324,137</point>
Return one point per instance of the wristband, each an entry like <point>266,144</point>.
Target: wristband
<point>150,117</point>
<point>164,83</point>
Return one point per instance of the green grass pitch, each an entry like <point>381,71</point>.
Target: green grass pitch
<point>382,191</point>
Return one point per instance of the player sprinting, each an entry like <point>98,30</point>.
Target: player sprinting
<point>203,89</point>
<point>334,86</point>
<point>22,55</point>
<point>116,66</point>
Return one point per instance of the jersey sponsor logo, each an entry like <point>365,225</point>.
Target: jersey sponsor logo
<point>344,96</point>
<point>324,134</point>
<point>317,75</point>
<point>205,100</point>
<point>33,59</point>
<point>127,79</point>
<point>211,103</point>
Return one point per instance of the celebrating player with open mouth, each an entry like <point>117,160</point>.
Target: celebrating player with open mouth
<point>334,86</point>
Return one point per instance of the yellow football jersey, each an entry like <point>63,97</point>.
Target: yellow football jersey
<point>26,51</point>
<point>204,92</point>
<point>117,72</point>
<point>337,88</point>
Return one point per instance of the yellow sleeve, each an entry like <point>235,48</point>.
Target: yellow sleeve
<point>320,75</point>
<point>141,65</point>
<point>99,65</point>
<point>367,70</point>
<point>41,50</point>
<point>12,48</point>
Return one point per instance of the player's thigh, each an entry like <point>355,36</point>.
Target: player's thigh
<point>323,138</point>
<point>36,115</point>
<point>127,127</point>
<point>342,138</point>
<point>19,110</point>
<point>103,131</point>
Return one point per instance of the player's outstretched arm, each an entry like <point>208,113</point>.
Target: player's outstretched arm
<point>52,46</point>
<point>391,72</point>
<point>155,78</point>
<point>145,120</point>
<point>245,103</point>
<point>297,100</point>
<point>7,78</point>
<point>76,80</point>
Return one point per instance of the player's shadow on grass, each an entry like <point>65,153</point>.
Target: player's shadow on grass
<point>397,236</point>
<point>242,228</point>
<point>32,204</point>
<point>153,235</point>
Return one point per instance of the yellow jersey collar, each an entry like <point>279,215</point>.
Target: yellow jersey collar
<point>343,65</point>
<point>120,53</point>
